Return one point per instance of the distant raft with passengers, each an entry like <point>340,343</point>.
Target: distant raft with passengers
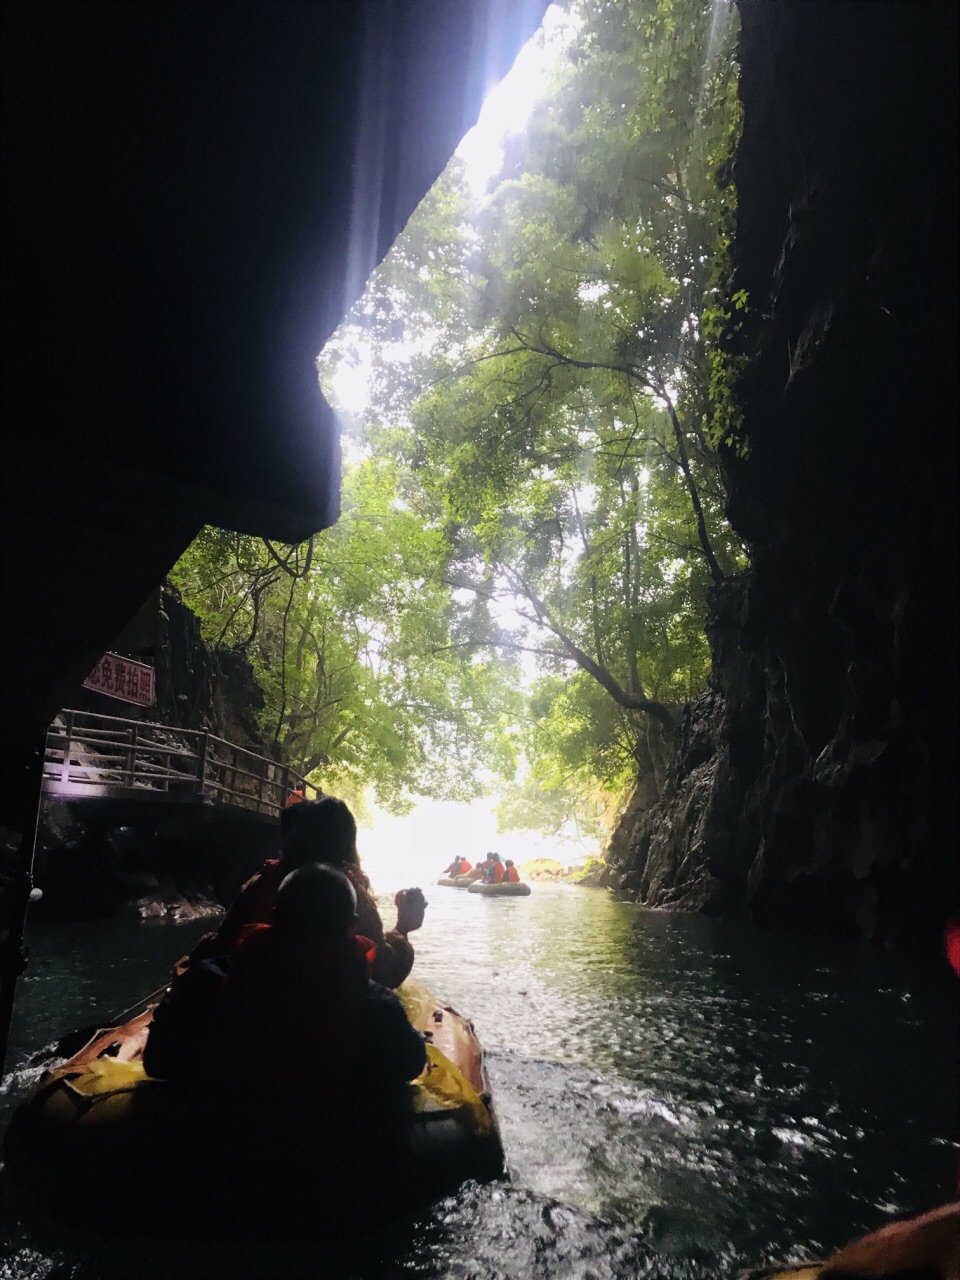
<point>505,889</point>
<point>492,878</point>
<point>460,873</point>
<point>104,1147</point>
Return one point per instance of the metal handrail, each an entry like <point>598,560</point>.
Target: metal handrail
<point>123,760</point>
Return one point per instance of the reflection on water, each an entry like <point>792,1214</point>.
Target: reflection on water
<point>678,1096</point>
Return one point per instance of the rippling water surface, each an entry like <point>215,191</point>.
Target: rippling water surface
<point>678,1096</point>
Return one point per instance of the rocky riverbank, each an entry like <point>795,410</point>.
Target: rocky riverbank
<point>594,873</point>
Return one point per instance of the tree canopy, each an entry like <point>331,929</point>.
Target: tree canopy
<point>533,507</point>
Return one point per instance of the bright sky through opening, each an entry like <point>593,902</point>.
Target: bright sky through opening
<point>505,111</point>
<point>507,106</point>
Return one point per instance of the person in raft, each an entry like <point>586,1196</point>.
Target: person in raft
<point>291,981</point>
<point>325,831</point>
<point>483,866</point>
<point>321,830</point>
<point>510,873</point>
<point>270,1010</point>
<point>494,872</point>
<point>458,867</point>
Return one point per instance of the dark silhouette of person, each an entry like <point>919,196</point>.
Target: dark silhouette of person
<point>325,831</point>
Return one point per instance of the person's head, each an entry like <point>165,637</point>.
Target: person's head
<point>508,863</point>
<point>321,830</point>
<point>495,857</point>
<point>288,816</point>
<point>315,901</point>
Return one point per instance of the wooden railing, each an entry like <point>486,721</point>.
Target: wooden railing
<point>100,756</point>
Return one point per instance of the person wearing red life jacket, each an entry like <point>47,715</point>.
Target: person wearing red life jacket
<point>292,1008</point>
<point>325,831</point>
<point>951,942</point>
<point>321,830</point>
<point>510,873</point>
<point>298,1012</point>
<point>494,872</point>
<point>951,949</point>
<point>458,867</point>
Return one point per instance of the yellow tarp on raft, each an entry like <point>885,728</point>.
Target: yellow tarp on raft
<point>441,1084</point>
<point>441,1081</point>
<point>112,1083</point>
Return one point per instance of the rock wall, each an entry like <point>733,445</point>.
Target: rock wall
<point>197,687</point>
<point>815,781</point>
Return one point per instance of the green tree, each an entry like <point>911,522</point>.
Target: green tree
<point>572,433</point>
<point>350,638</point>
<point>533,504</point>
<point>544,371</point>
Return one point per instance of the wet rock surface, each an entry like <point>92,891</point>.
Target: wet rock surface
<point>199,686</point>
<point>815,780</point>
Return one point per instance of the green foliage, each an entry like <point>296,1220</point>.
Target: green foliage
<point>362,685</point>
<point>569,429</point>
<point>722,316</point>
<point>533,510</point>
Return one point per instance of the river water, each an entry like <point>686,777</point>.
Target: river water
<point>678,1096</point>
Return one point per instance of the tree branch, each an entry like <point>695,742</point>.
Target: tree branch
<point>632,701</point>
<point>715,571</point>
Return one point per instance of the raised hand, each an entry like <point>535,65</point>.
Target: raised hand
<point>411,904</point>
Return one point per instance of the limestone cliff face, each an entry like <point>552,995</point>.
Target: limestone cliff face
<point>816,779</point>
<point>203,688</point>
<point>198,686</point>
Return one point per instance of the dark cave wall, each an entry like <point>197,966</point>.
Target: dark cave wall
<point>815,780</point>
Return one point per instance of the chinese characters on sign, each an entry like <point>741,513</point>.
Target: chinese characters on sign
<point>122,678</point>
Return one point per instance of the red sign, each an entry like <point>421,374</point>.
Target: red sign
<point>123,678</point>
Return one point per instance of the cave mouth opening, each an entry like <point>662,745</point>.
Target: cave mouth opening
<point>531,420</point>
<point>532,396</point>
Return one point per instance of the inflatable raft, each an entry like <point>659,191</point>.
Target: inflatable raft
<point>103,1147</point>
<point>456,882</point>
<point>924,1246</point>
<point>511,889</point>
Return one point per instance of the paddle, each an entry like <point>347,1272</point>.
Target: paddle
<point>74,1041</point>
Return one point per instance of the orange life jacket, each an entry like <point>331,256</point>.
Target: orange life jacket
<point>465,867</point>
<point>511,875</point>
<point>295,797</point>
<point>496,872</point>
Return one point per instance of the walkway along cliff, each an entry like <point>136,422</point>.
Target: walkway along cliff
<point>815,781</point>
<point>163,809</point>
